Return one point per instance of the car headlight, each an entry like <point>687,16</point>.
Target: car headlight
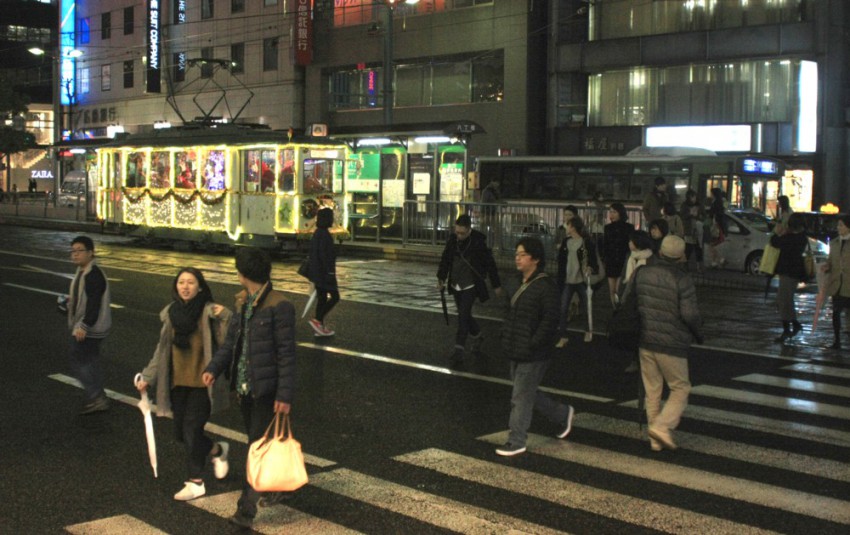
<point>819,248</point>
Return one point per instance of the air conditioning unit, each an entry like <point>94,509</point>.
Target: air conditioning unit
<point>319,130</point>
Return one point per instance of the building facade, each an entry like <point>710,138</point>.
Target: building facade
<point>772,74</point>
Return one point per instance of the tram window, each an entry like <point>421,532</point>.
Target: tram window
<point>214,170</point>
<point>259,170</point>
<point>286,180</point>
<point>160,170</point>
<point>184,168</point>
<point>318,176</point>
<point>137,170</point>
<point>116,169</point>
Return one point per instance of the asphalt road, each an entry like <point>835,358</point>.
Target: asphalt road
<point>395,442</point>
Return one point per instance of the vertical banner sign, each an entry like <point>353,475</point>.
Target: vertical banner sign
<point>303,32</point>
<point>68,65</point>
<point>153,56</point>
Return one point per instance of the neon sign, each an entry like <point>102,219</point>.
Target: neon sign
<point>153,71</point>
<point>68,65</point>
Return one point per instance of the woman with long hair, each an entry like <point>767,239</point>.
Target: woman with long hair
<point>615,247</point>
<point>693,215</point>
<point>192,326</point>
<point>717,230</point>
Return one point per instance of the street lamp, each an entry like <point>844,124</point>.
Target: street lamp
<point>60,79</point>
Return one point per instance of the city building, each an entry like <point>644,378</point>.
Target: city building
<point>764,77</point>
<point>26,24</point>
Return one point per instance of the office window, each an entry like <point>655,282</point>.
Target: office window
<point>270,54</point>
<point>128,73</point>
<point>237,58</point>
<point>207,67</point>
<point>207,9</point>
<point>105,77</point>
<point>85,30</point>
<point>105,25</point>
<point>129,22</point>
<point>85,80</point>
<point>237,6</point>
<point>180,67</point>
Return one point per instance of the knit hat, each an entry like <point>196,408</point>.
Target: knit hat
<point>672,247</point>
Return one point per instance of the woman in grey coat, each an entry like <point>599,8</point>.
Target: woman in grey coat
<point>192,326</point>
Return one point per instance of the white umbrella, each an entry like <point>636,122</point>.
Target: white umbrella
<point>310,302</point>
<point>145,407</point>
<point>589,335</point>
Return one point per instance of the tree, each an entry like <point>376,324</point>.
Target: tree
<point>12,140</point>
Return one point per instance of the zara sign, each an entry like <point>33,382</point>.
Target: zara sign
<point>41,173</point>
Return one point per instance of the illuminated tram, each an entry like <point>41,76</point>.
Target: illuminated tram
<point>224,184</point>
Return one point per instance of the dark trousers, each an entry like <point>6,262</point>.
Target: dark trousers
<point>191,407</point>
<point>466,324</point>
<point>693,248</point>
<point>85,366</point>
<point>326,299</point>
<point>839,303</point>
<point>257,414</point>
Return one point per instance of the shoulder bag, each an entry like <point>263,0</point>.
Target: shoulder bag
<point>275,462</point>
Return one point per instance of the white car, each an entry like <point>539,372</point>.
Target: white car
<point>747,235</point>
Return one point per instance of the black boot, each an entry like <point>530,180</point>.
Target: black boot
<point>786,333</point>
<point>797,328</point>
<point>836,344</point>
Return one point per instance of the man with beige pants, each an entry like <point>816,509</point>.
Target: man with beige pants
<point>670,320</point>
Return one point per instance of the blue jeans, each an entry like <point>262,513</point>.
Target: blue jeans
<point>566,297</point>
<point>257,414</point>
<point>85,366</point>
<point>191,407</point>
<point>525,398</point>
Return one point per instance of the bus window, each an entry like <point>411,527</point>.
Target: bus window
<point>184,167</point>
<point>137,170</point>
<point>548,183</point>
<point>160,170</point>
<point>286,180</point>
<point>318,176</point>
<point>214,171</point>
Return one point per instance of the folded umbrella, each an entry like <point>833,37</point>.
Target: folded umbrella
<point>310,302</point>
<point>589,334</point>
<point>145,407</point>
<point>820,277</point>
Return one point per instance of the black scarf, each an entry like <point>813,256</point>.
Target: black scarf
<point>184,318</point>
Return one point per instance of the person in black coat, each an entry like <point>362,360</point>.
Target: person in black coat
<point>321,271</point>
<point>465,262</point>
<point>791,271</point>
<point>528,336</point>
<point>615,247</point>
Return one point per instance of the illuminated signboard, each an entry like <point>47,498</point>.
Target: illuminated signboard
<point>68,67</point>
<point>719,138</point>
<point>153,54</point>
<point>303,32</point>
<point>757,166</point>
<point>372,87</point>
<point>180,12</point>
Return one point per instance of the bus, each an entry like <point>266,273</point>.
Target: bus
<point>222,184</point>
<point>749,182</point>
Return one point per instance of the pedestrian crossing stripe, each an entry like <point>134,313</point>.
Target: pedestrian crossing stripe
<point>271,520</point>
<point>757,455</point>
<point>608,504</point>
<point>776,402</point>
<point>112,525</point>
<point>729,487</point>
<point>796,384</point>
<point>830,371</point>
<point>773,426</point>
<point>425,507</point>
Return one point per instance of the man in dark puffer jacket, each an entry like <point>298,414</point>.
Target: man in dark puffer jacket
<point>670,320</point>
<point>259,353</point>
<point>528,340</point>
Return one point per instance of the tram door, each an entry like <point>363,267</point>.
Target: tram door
<point>257,197</point>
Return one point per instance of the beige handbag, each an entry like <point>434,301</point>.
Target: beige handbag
<point>275,462</point>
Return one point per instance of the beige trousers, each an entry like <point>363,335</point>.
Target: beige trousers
<point>655,369</point>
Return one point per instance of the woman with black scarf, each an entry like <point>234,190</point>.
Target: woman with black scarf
<point>192,326</point>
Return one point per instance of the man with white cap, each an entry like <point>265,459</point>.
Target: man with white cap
<point>670,321</point>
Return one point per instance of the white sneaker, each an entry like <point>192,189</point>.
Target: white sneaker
<point>562,343</point>
<point>588,336</point>
<point>219,462</point>
<point>190,491</point>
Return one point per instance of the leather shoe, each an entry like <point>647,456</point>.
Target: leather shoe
<point>663,437</point>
